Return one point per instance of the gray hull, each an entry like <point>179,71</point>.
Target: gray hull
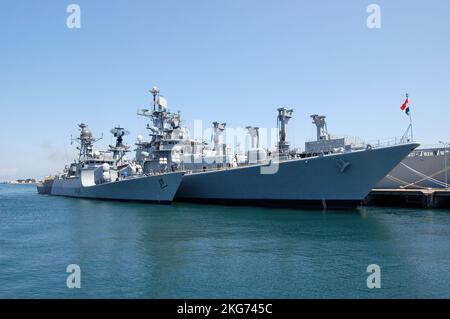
<point>336,180</point>
<point>159,188</point>
<point>417,172</point>
<point>45,188</point>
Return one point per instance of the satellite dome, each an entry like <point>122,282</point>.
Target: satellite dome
<point>86,133</point>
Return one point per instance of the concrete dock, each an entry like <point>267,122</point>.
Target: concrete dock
<point>422,198</point>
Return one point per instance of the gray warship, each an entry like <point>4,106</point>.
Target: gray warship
<point>110,175</point>
<point>328,174</point>
<point>422,169</point>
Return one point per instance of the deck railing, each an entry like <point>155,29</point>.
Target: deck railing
<point>392,141</point>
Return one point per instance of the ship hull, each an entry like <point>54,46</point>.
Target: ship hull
<point>45,188</point>
<point>155,189</point>
<point>276,203</point>
<point>330,181</point>
<point>417,172</point>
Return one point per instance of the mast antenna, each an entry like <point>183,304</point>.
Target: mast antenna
<point>154,91</point>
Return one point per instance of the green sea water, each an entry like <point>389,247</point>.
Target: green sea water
<point>129,250</point>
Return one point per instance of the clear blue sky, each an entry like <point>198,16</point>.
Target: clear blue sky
<point>234,61</point>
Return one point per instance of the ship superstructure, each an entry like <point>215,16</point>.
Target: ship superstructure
<point>171,148</point>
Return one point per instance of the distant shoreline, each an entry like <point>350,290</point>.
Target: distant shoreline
<point>19,183</point>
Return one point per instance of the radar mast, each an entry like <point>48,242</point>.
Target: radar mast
<point>86,142</point>
<point>120,149</point>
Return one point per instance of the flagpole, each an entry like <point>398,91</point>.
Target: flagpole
<point>410,120</point>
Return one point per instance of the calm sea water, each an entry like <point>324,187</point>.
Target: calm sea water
<point>195,251</point>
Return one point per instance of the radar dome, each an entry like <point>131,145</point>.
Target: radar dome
<point>86,133</point>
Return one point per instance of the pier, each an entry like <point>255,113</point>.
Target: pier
<point>419,198</point>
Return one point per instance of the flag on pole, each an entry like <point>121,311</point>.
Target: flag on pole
<point>405,106</point>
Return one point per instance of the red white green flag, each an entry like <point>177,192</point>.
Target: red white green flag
<point>405,106</point>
